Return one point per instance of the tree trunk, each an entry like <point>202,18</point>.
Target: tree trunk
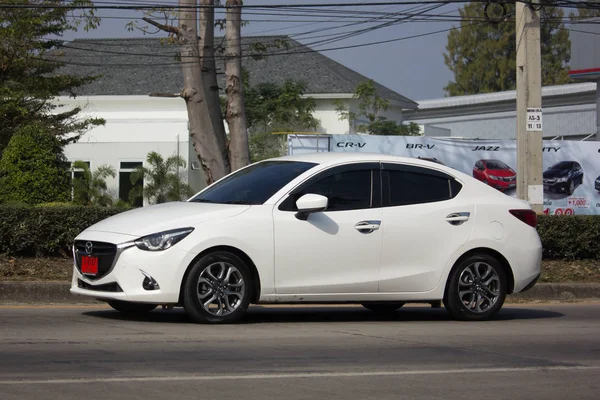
<point>208,71</point>
<point>239,153</point>
<point>204,130</point>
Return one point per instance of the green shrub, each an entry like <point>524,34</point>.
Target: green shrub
<point>33,168</point>
<point>572,237</point>
<point>46,230</point>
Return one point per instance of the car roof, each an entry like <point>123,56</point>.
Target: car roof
<point>326,159</point>
<point>334,158</point>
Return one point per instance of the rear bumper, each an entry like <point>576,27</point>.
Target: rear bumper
<point>531,284</point>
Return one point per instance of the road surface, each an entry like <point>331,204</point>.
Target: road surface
<point>528,352</point>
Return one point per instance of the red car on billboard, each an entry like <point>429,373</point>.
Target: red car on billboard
<point>495,173</point>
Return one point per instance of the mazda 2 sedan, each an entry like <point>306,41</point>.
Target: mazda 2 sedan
<point>375,230</point>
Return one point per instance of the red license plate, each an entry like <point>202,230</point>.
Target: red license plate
<point>89,265</point>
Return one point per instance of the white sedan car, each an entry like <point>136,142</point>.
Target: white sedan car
<point>374,230</point>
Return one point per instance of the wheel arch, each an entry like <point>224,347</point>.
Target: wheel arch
<point>510,278</point>
<point>256,288</point>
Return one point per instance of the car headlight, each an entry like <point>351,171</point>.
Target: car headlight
<point>162,240</point>
<point>496,178</point>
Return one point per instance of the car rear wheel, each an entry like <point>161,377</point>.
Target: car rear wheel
<point>477,288</point>
<point>383,308</point>
<point>129,307</point>
<point>217,289</point>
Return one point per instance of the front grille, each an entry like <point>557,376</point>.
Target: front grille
<point>104,251</point>
<point>508,178</point>
<point>107,287</point>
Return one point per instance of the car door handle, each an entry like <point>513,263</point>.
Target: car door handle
<point>367,226</point>
<point>458,218</point>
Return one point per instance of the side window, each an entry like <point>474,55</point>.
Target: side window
<point>345,190</point>
<point>416,185</point>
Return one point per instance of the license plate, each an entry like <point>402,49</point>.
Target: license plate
<point>89,265</point>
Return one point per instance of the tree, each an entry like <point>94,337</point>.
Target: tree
<point>370,107</point>
<point>234,90</point>
<point>164,183</point>
<point>89,188</point>
<point>271,107</point>
<point>482,55</point>
<point>33,168</point>
<point>29,76</point>
<point>201,92</point>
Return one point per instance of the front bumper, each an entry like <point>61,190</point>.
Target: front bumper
<point>557,187</point>
<point>136,275</point>
<point>502,185</point>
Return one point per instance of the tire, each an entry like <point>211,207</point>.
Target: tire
<point>383,308</point>
<point>206,283</point>
<point>131,308</point>
<point>476,309</point>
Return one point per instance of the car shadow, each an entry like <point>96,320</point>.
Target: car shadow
<point>324,314</point>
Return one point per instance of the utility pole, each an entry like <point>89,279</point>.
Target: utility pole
<point>529,105</point>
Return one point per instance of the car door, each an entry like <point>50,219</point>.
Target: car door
<point>427,218</point>
<point>333,251</point>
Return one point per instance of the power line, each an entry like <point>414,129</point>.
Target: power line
<point>266,55</point>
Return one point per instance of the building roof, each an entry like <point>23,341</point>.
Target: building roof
<point>552,96</point>
<point>141,66</point>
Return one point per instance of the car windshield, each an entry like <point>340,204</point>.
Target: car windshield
<point>563,165</point>
<point>496,164</point>
<point>254,184</point>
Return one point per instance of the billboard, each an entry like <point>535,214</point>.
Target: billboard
<point>571,169</point>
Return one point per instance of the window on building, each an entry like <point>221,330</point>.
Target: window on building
<point>125,185</point>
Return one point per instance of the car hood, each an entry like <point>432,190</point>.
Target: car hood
<point>555,173</point>
<point>501,172</point>
<point>157,218</point>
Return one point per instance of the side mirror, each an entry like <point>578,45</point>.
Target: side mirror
<point>310,203</point>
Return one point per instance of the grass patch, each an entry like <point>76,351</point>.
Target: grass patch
<point>61,269</point>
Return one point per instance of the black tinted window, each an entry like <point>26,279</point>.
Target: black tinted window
<point>406,187</point>
<point>255,184</point>
<point>563,165</point>
<point>496,164</point>
<point>346,190</point>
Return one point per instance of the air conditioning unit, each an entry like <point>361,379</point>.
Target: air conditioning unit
<point>196,165</point>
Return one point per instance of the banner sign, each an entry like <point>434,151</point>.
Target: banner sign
<point>571,169</point>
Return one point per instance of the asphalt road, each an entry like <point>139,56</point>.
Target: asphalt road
<point>528,352</point>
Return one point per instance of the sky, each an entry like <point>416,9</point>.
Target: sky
<point>413,67</point>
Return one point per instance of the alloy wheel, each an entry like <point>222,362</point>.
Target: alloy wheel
<point>479,287</point>
<point>220,289</point>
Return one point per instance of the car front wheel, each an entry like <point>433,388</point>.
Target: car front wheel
<point>477,289</point>
<point>217,289</point>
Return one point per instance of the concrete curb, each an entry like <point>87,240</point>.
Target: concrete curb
<point>58,292</point>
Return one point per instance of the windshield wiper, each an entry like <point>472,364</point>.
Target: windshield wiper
<point>239,202</point>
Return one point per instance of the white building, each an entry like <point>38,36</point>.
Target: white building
<point>136,74</point>
<point>569,112</point>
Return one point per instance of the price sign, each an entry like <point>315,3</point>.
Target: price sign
<point>534,120</point>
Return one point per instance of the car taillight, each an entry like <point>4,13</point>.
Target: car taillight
<point>527,216</point>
